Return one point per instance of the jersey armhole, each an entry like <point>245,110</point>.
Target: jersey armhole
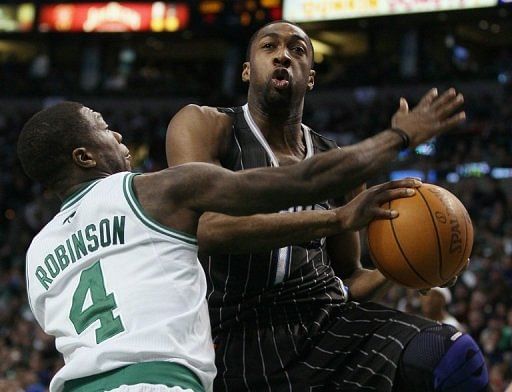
<point>148,221</point>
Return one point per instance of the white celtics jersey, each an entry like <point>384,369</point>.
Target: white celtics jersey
<point>115,287</point>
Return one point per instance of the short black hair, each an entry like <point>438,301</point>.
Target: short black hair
<point>47,140</point>
<point>253,38</point>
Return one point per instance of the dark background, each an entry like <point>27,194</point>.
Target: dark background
<point>138,80</point>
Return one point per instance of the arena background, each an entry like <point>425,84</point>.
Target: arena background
<point>139,62</point>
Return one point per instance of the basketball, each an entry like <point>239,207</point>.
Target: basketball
<point>427,244</point>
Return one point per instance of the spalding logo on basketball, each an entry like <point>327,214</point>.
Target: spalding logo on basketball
<point>427,244</point>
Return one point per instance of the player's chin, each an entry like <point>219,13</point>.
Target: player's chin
<point>276,97</point>
<point>127,163</point>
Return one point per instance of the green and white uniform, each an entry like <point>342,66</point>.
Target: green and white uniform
<point>117,288</point>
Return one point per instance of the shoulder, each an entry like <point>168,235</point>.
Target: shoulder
<point>174,182</point>
<point>322,142</point>
<point>206,111</point>
<point>198,133</point>
<point>204,118</point>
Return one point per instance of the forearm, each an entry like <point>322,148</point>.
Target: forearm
<point>324,176</point>
<point>360,162</point>
<point>345,253</point>
<point>219,233</point>
<point>367,285</point>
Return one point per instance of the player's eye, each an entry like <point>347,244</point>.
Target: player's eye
<point>299,50</point>
<point>268,45</point>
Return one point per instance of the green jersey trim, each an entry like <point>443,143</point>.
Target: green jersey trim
<point>78,194</point>
<point>136,207</point>
<point>157,373</point>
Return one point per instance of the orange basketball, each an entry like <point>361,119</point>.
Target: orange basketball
<point>427,244</point>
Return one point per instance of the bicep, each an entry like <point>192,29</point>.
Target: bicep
<point>205,187</point>
<point>192,137</point>
<point>197,187</point>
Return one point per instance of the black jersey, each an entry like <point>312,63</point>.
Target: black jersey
<point>279,319</point>
<point>285,284</point>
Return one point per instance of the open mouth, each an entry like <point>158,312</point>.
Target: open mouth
<point>281,78</point>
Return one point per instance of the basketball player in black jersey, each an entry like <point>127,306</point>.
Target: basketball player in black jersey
<point>282,320</point>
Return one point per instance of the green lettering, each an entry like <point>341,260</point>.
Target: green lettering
<point>119,229</point>
<point>90,236</point>
<point>79,244</point>
<point>70,250</point>
<point>62,257</point>
<point>43,277</point>
<point>51,265</point>
<point>91,281</point>
<point>105,238</point>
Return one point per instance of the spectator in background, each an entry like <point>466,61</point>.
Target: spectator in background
<point>433,306</point>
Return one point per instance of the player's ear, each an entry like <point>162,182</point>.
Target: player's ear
<point>311,79</point>
<point>83,158</point>
<point>246,72</point>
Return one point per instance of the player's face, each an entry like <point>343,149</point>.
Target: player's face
<point>280,64</point>
<point>432,303</point>
<point>111,155</point>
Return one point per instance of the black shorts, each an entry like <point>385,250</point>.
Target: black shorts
<point>351,347</point>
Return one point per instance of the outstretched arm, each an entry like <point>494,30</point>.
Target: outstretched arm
<point>177,196</point>
<point>205,187</point>
<point>323,176</point>
<point>201,134</point>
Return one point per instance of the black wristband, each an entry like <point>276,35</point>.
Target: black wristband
<point>404,136</point>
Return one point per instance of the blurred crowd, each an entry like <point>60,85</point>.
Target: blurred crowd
<point>140,66</point>
<point>480,300</point>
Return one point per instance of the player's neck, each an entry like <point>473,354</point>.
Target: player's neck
<point>65,189</point>
<point>282,128</point>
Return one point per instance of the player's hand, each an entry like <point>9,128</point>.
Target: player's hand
<point>450,283</point>
<point>366,206</point>
<point>432,116</point>
<point>453,280</point>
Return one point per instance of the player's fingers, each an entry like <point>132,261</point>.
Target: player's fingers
<point>404,106</point>
<point>450,106</point>
<point>451,282</point>
<point>444,98</point>
<point>392,194</point>
<point>403,183</point>
<point>453,121</point>
<point>423,291</point>
<point>384,213</point>
<point>428,98</point>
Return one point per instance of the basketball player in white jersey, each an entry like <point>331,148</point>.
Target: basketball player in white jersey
<point>114,276</point>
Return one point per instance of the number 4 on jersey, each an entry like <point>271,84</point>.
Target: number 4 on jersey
<point>91,280</point>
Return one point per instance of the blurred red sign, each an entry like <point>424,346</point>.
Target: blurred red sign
<point>113,17</point>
